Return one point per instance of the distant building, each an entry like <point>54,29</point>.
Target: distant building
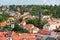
<point>1,12</point>
<point>8,37</point>
<point>46,17</point>
<point>16,36</point>
<point>23,22</point>
<point>44,32</point>
<point>2,24</point>
<point>32,28</point>
<point>52,25</point>
<point>12,25</point>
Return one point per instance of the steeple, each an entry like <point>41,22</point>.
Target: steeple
<point>40,15</point>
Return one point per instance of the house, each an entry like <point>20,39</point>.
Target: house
<point>29,26</point>
<point>32,28</point>
<point>27,36</point>
<point>4,8</point>
<point>8,37</point>
<point>35,30</point>
<point>46,17</point>
<point>12,24</point>
<point>26,13</point>
<point>10,19</point>
<point>12,13</point>
<point>16,36</point>
<point>17,15</point>
<point>18,9</point>
<point>23,22</point>
<point>52,25</point>
<point>1,12</point>
<point>2,35</point>
<point>2,24</point>
<point>45,32</point>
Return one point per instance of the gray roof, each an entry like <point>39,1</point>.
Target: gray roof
<point>50,38</point>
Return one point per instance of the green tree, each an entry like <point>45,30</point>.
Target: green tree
<point>8,28</point>
<point>17,28</point>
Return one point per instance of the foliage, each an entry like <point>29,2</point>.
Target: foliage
<point>20,19</point>
<point>57,30</point>
<point>38,23</point>
<point>29,21</point>
<point>7,27</point>
<point>17,28</point>
<point>4,16</point>
<point>35,9</point>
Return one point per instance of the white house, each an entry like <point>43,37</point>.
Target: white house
<point>12,24</point>
<point>35,30</point>
<point>51,25</point>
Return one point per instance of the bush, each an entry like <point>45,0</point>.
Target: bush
<point>57,30</point>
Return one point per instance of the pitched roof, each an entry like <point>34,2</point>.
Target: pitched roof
<point>44,32</point>
<point>2,38</point>
<point>23,22</point>
<point>35,28</point>
<point>10,18</point>
<point>29,26</point>
<point>3,24</point>
<point>16,36</point>
<point>27,36</point>
<point>52,22</point>
<point>58,33</point>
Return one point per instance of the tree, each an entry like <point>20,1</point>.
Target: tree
<point>17,28</point>
<point>36,22</point>
<point>8,28</point>
<point>29,21</point>
<point>4,17</point>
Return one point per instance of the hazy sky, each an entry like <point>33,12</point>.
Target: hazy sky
<point>29,2</point>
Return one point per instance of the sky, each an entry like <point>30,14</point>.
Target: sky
<point>29,2</point>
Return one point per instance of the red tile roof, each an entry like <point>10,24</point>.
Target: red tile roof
<point>10,18</point>
<point>3,24</point>
<point>2,38</point>
<point>52,22</point>
<point>27,36</point>
<point>16,36</point>
<point>34,28</point>
<point>44,32</point>
<point>58,33</point>
<point>23,21</point>
<point>29,26</point>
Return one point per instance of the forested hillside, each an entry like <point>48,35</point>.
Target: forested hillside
<point>35,9</point>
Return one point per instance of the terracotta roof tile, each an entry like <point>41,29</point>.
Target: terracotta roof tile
<point>29,26</point>
<point>23,22</point>
<point>16,36</point>
<point>52,22</point>
<point>3,24</point>
<point>58,33</point>
<point>44,32</point>
<point>10,18</point>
